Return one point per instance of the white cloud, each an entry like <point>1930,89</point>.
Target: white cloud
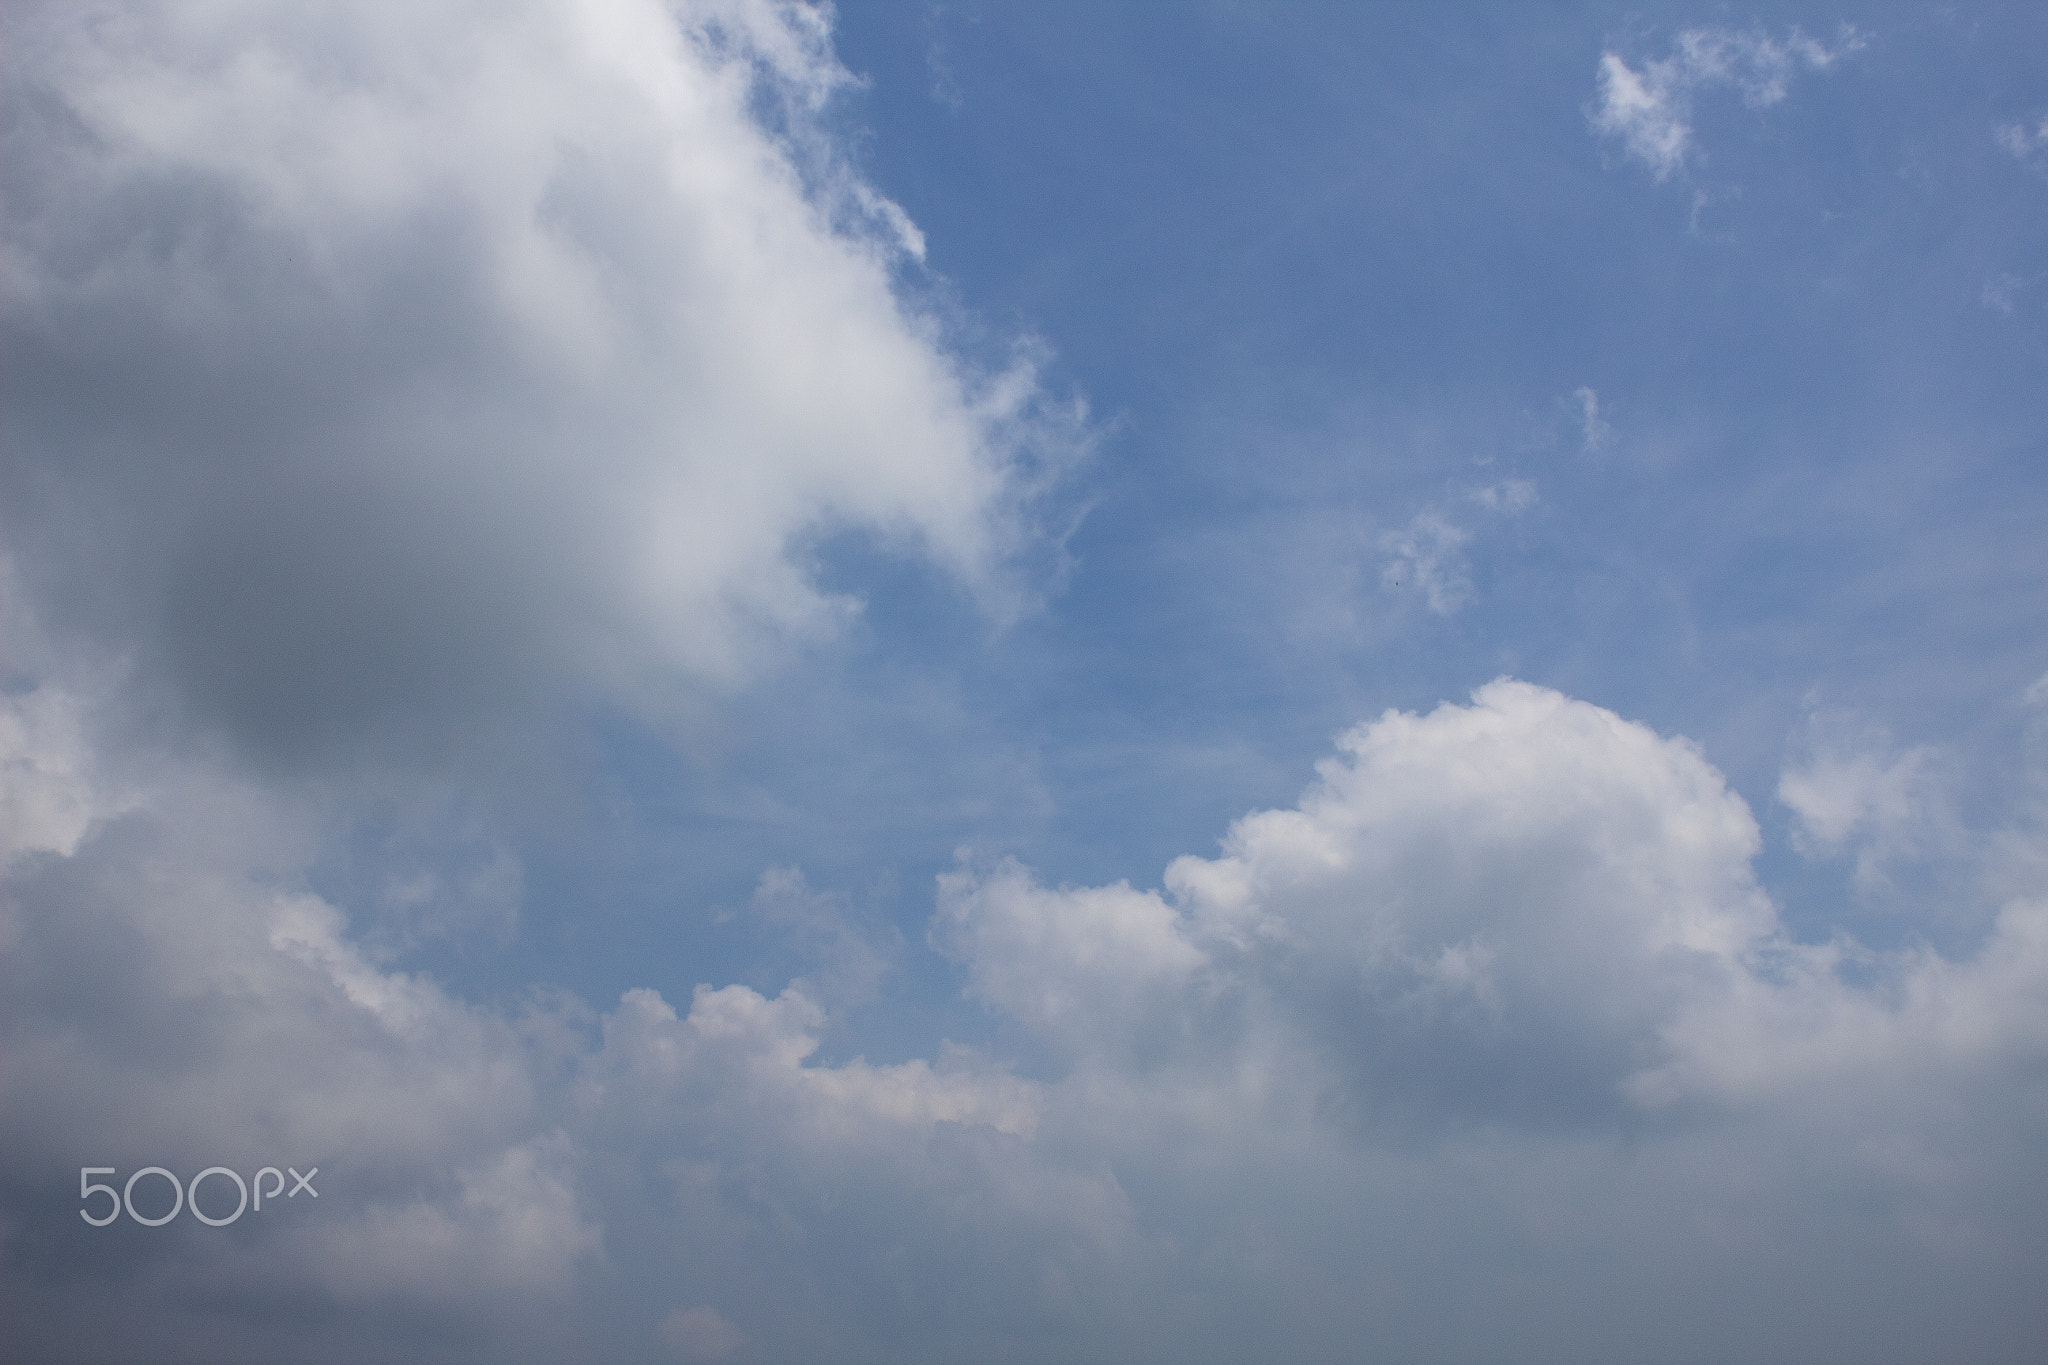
<point>1650,109</point>
<point>1645,111</point>
<point>1078,966</point>
<point>381,380</point>
<point>433,363</point>
<point>1509,895</point>
<point>1528,916</point>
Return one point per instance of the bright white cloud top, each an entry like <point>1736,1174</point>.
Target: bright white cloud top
<point>429,430</point>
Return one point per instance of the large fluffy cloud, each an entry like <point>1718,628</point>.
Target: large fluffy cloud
<point>1527,912</point>
<point>1502,992</point>
<point>373,366</point>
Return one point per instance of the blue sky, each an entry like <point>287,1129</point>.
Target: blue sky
<point>1365,277</point>
<point>823,683</point>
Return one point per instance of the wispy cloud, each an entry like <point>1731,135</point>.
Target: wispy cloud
<point>2001,294</point>
<point>1649,109</point>
<point>1427,554</point>
<point>945,86</point>
<point>1595,434</point>
<point>2030,145</point>
<point>1854,793</point>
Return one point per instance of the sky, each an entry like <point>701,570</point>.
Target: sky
<point>1057,683</point>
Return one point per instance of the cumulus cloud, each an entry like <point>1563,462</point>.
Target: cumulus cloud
<point>1496,907</point>
<point>371,368</point>
<point>1500,992</point>
<point>1649,110</point>
<point>478,1166</point>
<point>381,382</point>
<point>1081,967</point>
<point>1530,917</point>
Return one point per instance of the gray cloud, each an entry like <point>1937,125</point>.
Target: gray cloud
<point>1498,1001</point>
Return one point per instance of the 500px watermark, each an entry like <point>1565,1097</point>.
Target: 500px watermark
<point>124,1198</point>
